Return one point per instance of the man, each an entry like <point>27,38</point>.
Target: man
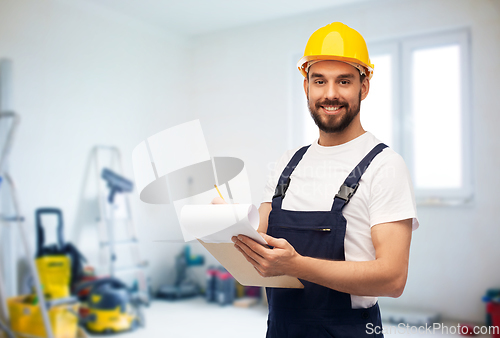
<point>347,246</point>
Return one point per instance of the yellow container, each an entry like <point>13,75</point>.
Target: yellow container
<point>26,318</point>
<point>108,321</point>
<point>55,275</point>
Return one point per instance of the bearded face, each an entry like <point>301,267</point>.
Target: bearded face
<point>334,116</point>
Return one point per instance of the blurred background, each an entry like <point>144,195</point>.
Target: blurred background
<point>82,73</point>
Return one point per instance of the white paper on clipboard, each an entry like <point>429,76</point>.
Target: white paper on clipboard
<point>214,225</point>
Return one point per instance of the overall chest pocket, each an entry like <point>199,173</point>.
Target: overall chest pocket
<point>318,242</point>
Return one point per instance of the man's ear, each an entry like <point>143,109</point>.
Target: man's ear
<point>365,88</point>
<point>306,87</point>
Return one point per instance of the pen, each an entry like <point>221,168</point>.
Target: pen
<point>215,185</point>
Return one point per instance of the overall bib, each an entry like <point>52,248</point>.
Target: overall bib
<point>317,311</point>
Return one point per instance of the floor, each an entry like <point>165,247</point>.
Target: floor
<point>197,318</point>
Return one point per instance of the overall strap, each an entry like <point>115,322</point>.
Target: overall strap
<point>351,183</point>
<point>284,179</point>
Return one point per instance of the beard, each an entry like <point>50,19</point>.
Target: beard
<point>334,123</point>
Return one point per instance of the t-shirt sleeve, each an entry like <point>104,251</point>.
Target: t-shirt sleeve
<point>392,197</point>
<point>273,175</point>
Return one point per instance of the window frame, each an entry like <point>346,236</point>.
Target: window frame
<point>391,48</point>
<point>461,37</point>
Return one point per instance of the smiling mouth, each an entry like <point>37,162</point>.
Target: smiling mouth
<point>332,110</point>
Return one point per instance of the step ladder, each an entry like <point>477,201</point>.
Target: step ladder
<point>115,215</point>
<point>13,217</point>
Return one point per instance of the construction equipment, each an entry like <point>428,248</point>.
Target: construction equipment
<point>25,316</point>
<point>112,307</point>
<point>115,215</point>
<point>116,184</point>
<point>60,264</point>
<point>184,285</point>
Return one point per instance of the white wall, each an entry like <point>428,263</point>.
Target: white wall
<point>84,76</point>
<point>242,96</point>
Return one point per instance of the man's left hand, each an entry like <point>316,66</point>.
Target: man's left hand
<point>268,262</point>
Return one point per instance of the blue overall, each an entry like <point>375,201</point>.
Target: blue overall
<point>317,311</point>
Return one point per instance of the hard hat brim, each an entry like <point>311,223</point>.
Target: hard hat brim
<point>302,64</point>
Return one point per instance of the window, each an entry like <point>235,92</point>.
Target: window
<point>419,104</point>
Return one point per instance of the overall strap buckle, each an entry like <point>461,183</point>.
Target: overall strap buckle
<point>346,192</point>
<point>281,189</point>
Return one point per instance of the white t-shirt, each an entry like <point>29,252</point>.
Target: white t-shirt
<point>385,192</point>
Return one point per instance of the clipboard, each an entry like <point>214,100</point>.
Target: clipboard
<point>244,272</point>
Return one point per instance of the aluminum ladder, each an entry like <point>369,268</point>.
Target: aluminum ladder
<point>13,217</point>
<point>109,223</point>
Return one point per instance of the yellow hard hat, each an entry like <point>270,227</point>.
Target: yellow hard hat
<point>337,42</point>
